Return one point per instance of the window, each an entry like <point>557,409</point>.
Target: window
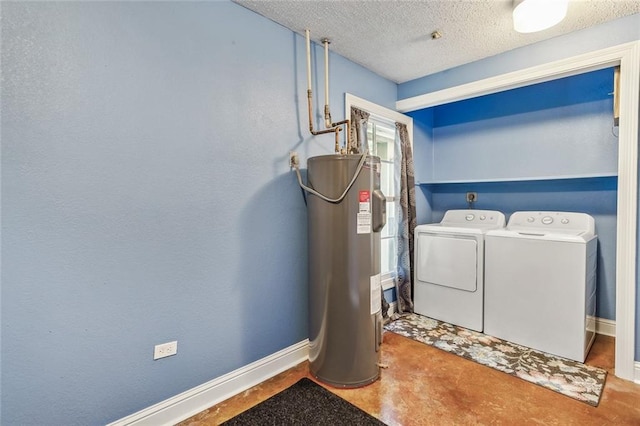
<point>381,136</point>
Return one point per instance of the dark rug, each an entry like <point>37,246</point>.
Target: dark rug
<point>573,379</point>
<point>304,403</point>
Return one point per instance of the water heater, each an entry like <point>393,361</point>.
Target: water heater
<point>345,320</point>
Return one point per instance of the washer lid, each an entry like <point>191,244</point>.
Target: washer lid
<point>558,226</point>
<point>548,223</point>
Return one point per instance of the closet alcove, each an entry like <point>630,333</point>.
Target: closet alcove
<point>543,138</point>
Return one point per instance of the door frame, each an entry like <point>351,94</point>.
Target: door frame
<point>626,55</point>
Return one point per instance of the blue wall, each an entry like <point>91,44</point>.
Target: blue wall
<point>586,118</point>
<point>559,128</point>
<point>147,197</point>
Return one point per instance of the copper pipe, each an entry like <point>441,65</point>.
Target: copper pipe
<point>347,137</point>
<point>335,127</point>
<point>315,132</point>
<point>327,116</point>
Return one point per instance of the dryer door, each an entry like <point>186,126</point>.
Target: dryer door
<point>448,260</point>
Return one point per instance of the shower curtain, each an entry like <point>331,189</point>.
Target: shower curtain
<point>404,173</point>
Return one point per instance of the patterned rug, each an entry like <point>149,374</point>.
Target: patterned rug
<point>570,378</point>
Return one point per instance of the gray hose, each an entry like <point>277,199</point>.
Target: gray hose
<point>344,194</point>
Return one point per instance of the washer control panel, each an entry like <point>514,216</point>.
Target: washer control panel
<point>547,220</point>
<point>552,222</point>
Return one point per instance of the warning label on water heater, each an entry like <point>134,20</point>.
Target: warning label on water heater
<point>364,213</point>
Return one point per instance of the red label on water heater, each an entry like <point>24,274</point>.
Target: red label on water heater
<point>364,213</point>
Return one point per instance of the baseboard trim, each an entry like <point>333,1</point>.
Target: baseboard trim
<point>636,375</point>
<point>195,400</point>
<point>606,327</point>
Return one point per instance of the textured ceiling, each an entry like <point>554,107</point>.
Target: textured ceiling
<point>393,38</point>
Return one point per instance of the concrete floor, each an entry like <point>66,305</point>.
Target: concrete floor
<point>426,386</point>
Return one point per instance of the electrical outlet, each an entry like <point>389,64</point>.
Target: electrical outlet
<point>293,159</point>
<point>165,350</point>
<point>472,197</point>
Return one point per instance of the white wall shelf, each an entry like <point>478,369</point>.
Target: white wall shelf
<point>521,179</point>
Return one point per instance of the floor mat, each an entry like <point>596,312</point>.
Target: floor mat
<point>568,377</point>
<point>304,403</point>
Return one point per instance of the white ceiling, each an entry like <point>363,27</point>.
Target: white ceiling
<point>393,38</point>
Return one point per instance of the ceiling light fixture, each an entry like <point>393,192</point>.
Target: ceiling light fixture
<point>530,16</point>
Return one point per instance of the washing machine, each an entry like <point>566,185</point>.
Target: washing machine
<point>540,282</point>
<point>449,265</point>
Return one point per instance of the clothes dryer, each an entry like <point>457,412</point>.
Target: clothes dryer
<point>449,266</point>
<point>540,282</point>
